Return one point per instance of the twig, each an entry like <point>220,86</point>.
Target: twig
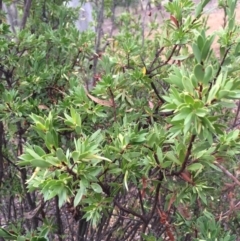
<point>165,62</point>
<point>229,174</point>
<point>113,104</point>
<point>26,13</point>
<point>189,149</point>
<point>219,69</point>
<point>156,92</point>
<point>236,116</point>
<point>156,56</point>
<point>225,215</point>
<point>141,202</point>
<point>130,211</point>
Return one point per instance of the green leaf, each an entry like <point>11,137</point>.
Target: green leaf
<point>201,112</point>
<point>32,153</point>
<point>21,238</point>
<point>40,163</point>
<point>175,80</point>
<point>203,197</point>
<point>197,53</point>
<point>233,135</point>
<point>115,171</point>
<point>207,123</point>
<point>75,156</point>
<point>96,188</point>
<point>39,239</point>
<point>199,72</point>
<point>213,92</point>
<point>188,123</point>
<point>182,115</point>
<point>62,196</point>
<point>200,41</point>
<point>60,155</point>
<point>170,156</point>
<point>188,85</point>
<point>180,57</point>
<point>6,235</point>
<point>189,100</point>
<point>80,193</point>
<point>206,49</point>
<point>198,11</point>
<point>39,151</point>
<point>208,75</point>
<point>195,167</point>
<point>99,158</point>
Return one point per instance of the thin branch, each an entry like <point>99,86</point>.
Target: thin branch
<point>155,202</point>
<point>129,211</point>
<point>12,163</point>
<point>1,152</point>
<point>222,62</point>
<point>156,56</point>
<point>114,104</point>
<point>75,59</point>
<point>236,116</point>
<point>165,62</point>
<point>157,93</point>
<point>58,220</point>
<point>229,174</point>
<point>226,214</point>
<point>219,69</point>
<point>189,149</point>
<point>141,202</point>
<point>26,13</point>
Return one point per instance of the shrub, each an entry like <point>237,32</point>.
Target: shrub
<point>149,153</point>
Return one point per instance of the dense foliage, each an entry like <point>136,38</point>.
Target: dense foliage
<point>132,137</point>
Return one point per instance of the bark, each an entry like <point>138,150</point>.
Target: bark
<point>59,220</point>
<point>1,152</point>
<point>27,7</point>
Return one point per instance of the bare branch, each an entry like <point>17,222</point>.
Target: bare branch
<point>1,152</point>
<point>129,211</point>
<point>236,115</point>
<point>229,174</point>
<point>26,13</point>
<point>189,149</point>
<point>165,62</point>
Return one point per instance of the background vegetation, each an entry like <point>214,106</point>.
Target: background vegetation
<point>130,134</point>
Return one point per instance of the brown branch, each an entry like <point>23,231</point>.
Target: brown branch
<point>226,214</point>
<point>155,202</point>
<point>189,149</point>
<point>165,62</point>
<point>222,62</point>
<point>236,115</point>
<point>156,92</point>
<point>113,104</point>
<point>58,220</point>
<point>219,69</point>
<point>141,201</point>
<point>11,162</point>
<point>1,152</point>
<point>130,211</point>
<point>26,13</point>
<point>229,174</point>
<point>156,56</point>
